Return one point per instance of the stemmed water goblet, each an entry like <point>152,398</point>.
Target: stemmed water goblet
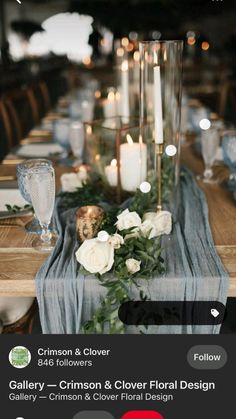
<point>210,142</point>
<point>76,140</point>
<point>22,170</point>
<point>42,191</point>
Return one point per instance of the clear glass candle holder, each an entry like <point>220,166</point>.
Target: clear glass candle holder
<point>160,107</point>
<point>116,152</point>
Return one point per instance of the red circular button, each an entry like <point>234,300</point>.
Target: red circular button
<point>142,414</point>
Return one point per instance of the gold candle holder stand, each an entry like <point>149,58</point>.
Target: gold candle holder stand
<point>159,153</point>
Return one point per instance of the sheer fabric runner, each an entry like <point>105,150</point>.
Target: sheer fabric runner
<point>194,271</point>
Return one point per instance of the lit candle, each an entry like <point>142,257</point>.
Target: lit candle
<point>133,164</point>
<point>136,57</point>
<point>125,111</point>
<point>110,105</point>
<point>158,106</point>
<point>112,173</point>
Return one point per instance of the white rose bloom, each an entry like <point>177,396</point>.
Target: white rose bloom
<point>95,256</point>
<point>157,224</point>
<point>116,241</point>
<point>128,220</point>
<point>70,182</point>
<point>133,265</point>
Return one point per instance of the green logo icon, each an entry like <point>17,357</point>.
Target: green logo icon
<point>19,357</point>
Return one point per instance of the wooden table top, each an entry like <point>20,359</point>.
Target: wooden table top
<point>19,262</point>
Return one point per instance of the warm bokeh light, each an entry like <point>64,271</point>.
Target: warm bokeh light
<point>191,40</point>
<point>136,56</point>
<point>205,45</point>
<point>86,60</point>
<point>97,94</point>
<point>125,42</point>
<point>130,47</point>
<point>120,52</point>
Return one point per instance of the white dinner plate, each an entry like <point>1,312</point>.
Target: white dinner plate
<point>39,150</point>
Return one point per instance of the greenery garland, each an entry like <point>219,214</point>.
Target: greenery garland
<point>120,284</point>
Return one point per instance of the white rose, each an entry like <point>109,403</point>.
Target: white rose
<point>70,182</point>
<point>156,224</point>
<point>128,220</point>
<point>133,265</point>
<point>95,256</point>
<point>116,241</point>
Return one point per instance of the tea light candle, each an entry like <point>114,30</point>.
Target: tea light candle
<point>112,173</point>
<point>133,162</point>
<point>125,110</point>
<point>88,221</point>
<point>158,106</point>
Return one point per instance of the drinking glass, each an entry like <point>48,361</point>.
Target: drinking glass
<point>229,154</point>
<point>210,142</point>
<point>42,191</point>
<point>76,140</point>
<point>22,170</point>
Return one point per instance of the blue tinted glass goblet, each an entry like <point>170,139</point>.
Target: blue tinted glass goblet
<point>22,170</point>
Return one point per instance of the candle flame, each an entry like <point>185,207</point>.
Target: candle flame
<point>140,139</point>
<point>124,66</point>
<point>114,163</point>
<point>155,58</point>
<point>111,96</point>
<point>129,139</point>
<point>97,157</point>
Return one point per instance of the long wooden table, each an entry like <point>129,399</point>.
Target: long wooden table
<point>19,262</point>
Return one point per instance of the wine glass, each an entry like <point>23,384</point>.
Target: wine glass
<point>42,191</point>
<point>210,142</point>
<point>22,170</point>
<point>229,154</point>
<point>76,140</point>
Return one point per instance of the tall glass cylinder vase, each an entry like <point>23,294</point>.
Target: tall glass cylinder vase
<point>160,106</point>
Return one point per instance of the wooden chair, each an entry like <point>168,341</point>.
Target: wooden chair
<point>5,131</point>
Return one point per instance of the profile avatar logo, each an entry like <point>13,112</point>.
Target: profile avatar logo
<point>19,357</point>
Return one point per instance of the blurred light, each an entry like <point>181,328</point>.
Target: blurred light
<point>133,36</point>
<point>191,40</point>
<point>205,45</point>
<point>136,56</point>
<point>125,42</point>
<point>97,94</point>
<point>145,187</point>
<point>97,157</point>
<point>130,47</point>
<point>156,35</point>
<point>171,150</point>
<point>86,60</point>
<point>205,124</point>
<point>89,130</point>
<point>191,34</point>
<point>111,96</point>
<point>120,52</point>
<point>125,66</point>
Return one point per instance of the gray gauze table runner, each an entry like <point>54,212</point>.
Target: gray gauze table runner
<point>194,271</point>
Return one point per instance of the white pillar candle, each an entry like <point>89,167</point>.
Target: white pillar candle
<point>110,105</point>
<point>133,164</point>
<point>87,110</point>
<point>125,110</point>
<point>158,118</point>
<point>112,173</point>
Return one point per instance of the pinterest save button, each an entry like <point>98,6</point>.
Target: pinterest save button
<point>142,414</point>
